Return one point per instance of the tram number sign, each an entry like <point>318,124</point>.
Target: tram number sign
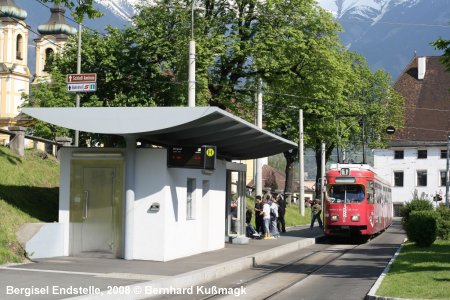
<point>345,171</point>
<point>201,157</point>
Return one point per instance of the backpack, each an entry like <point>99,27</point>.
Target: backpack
<point>273,215</point>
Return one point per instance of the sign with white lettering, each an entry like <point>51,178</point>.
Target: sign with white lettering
<point>81,87</point>
<point>82,78</point>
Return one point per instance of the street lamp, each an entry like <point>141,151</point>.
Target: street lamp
<point>191,80</point>
<point>77,96</point>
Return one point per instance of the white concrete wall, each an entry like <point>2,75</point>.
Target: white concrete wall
<point>167,234</point>
<point>64,195</point>
<point>47,242</point>
<point>386,165</point>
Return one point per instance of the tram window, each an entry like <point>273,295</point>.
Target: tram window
<point>370,198</point>
<point>346,193</point>
<point>444,154</point>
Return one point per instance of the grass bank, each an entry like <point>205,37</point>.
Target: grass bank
<point>419,273</point>
<point>28,193</point>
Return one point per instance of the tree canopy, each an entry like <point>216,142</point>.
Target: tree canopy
<point>292,46</point>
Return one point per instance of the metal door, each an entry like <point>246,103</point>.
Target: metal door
<point>95,208</point>
<point>97,231</point>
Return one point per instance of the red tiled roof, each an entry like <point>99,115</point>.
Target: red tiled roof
<point>427,103</point>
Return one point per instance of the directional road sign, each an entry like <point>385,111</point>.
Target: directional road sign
<point>82,78</point>
<point>82,87</point>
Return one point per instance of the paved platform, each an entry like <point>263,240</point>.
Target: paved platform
<point>64,277</point>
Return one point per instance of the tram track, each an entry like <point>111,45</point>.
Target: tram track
<point>271,281</point>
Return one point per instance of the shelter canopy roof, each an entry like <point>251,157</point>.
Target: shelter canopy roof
<point>171,126</point>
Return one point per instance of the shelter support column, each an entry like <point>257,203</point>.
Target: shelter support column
<point>129,197</point>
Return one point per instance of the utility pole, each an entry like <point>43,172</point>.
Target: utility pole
<point>77,96</point>
<point>322,173</point>
<point>364,139</point>
<point>447,175</point>
<point>301,164</point>
<point>258,170</point>
<point>191,83</point>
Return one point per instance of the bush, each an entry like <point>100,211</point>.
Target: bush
<point>422,227</point>
<point>443,222</point>
<point>414,205</point>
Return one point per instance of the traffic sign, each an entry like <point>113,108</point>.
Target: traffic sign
<point>82,78</point>
<point>82,87</point>
<point>390,130</point>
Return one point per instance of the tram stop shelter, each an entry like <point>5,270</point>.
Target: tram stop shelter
<point>150,202</point>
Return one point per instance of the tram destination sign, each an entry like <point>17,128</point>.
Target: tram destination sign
<point>201,157</point>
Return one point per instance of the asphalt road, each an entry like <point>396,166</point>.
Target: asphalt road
<point>322,271</point>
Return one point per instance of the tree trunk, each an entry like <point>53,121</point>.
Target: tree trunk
<point>291,157</point>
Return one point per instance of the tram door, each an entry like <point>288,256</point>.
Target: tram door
<point>96,196</point>
<point>235,202</point>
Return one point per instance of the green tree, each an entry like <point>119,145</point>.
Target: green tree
<point>50,94</point>
<point>443,45</point>
<point>293,46</point>
<point>79,8</point>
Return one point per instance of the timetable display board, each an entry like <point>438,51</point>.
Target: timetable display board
<point>201,157</point>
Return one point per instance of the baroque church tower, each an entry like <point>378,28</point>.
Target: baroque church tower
<point>52,39</point>
<point>14,72</point>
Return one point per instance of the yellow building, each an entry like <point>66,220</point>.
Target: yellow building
<point>14,72</point>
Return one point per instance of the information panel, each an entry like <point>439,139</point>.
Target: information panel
<point>202,157</point>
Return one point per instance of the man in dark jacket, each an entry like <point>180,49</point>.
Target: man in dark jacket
<point>281,212</point>
<point>258,214</point>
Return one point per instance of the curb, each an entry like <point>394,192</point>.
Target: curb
<point>150,289</point>
<point>372,293</point>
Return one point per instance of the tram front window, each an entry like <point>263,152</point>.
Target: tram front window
<point>348,193</point>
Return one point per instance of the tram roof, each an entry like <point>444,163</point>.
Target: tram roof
<point>234,137</point>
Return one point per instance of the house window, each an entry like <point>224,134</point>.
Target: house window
<point>421,178</point>
<point>190,198</point>
<point>19,46</point>
<point>422,154</point>
<point>443,183</point>
<point>398,178</point>
<point>48,53</point>
<point>444,154</point>
<point>398,154</point>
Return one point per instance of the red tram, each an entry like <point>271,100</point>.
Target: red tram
<point>357,201</point>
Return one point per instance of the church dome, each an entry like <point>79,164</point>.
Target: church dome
<point>57,23</point>
<point>8,8</point>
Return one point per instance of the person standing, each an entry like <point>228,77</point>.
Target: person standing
<point>274,217</point>
<point>281,212</point>
<point>266,218</point>
<point>258,216</point>
<point>316,211</point>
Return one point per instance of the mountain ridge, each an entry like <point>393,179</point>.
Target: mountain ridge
<point>386,32</point>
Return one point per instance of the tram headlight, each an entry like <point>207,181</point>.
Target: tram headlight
<point>355,218</point>
<point>334,218</point>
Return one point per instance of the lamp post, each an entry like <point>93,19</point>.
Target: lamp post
<point>77,96</point>
<point>191,80</point>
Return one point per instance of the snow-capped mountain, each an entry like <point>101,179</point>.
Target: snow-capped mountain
<point>387,32</point>
<point>122,8</point>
